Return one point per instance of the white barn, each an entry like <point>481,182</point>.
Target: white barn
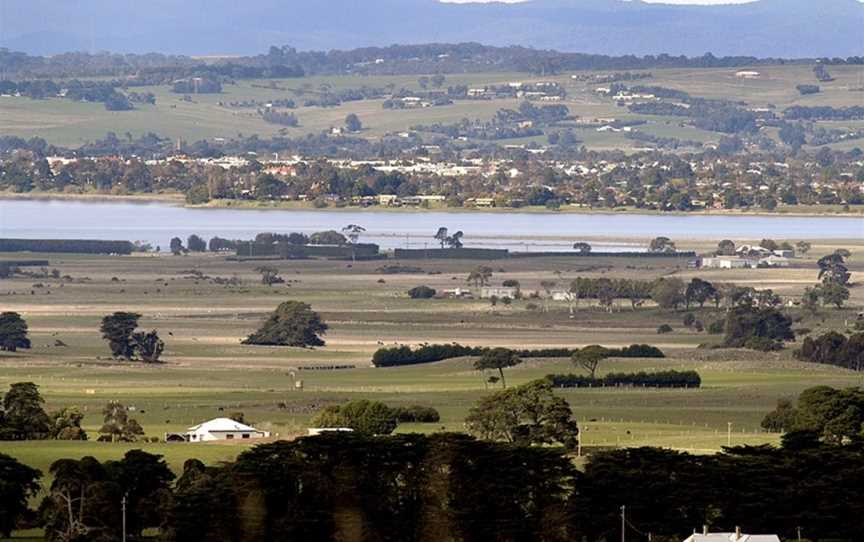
<point>223,429</point>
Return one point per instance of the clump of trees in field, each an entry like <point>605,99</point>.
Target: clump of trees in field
<point>762,329</point>
<point>293,323</point>
<point>833,348</point>
<point>23,417</point>
<point>822,413</point>
<point>119,330</point>
<point>421,292</point>
<point>530,414</point>
<point>373,417</point>
<point>117,426</point>
<point>13,332</point>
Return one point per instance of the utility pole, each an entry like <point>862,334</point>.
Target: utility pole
<point>799,534</point>
<point>123,506</point>
<point>728,433</point>
<point>623,522</point>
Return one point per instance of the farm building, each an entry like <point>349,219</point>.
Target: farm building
<point>728,262</point>
<point>221,429</point>
<point>487,292</point>
<point>774,261</point>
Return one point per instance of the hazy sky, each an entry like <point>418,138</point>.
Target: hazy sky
<point>703,2</point>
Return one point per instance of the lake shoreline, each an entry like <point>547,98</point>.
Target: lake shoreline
<point>158,221</point>
<point>177,199</point>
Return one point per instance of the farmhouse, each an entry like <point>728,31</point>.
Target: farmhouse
<point>223,429</point>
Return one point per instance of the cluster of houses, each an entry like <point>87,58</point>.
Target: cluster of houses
<point>544,91</point>
<point>626,96</point>
<point>749,257</point>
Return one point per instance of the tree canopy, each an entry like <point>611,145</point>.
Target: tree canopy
<point>18,484</point>
<point>363,416</point>
<point>498,359</point>
<point>525,415</point>
<point>293,323</point>
<point>13,332</point>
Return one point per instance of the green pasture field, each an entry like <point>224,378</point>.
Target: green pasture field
<point>69,123</point>
<point>207,372</point>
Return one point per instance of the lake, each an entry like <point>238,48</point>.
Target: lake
<point>157,223</point>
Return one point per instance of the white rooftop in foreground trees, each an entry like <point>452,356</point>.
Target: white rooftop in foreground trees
<point>223,429</point>
<point>732,537</point>
<point>221,424</point>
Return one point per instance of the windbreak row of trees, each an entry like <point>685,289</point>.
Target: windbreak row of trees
<point>445,487</point>
<point>427,353</point>
<point>659,379</point>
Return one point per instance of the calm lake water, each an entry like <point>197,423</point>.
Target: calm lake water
<point>157,223</point>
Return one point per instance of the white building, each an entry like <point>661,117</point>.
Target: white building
<point>774,261</point>
<point>562,295</point>
<point>223,429</point>
<point>728,262</point>
<point>737,536</point>
<point>487,292</point>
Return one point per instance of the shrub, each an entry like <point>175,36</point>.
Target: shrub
<point>421,292</point>
<point>638,351</point>
<point>689,319</point>
<point>763,344</point>
<point>664,328</point>
<point>417,414</point>
<point>715,327</point>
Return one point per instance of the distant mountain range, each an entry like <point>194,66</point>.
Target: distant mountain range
<point>764,28</point>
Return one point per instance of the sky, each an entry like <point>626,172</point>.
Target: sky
<point>700,2</point>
